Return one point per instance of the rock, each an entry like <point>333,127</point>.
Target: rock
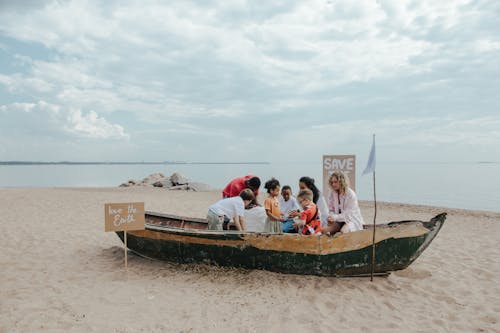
<point>152,178</point>
<point>131,182</point>
<point>166,183</point>
<point>180,187</point>
<point>199,187</point>
<point>178,179</point>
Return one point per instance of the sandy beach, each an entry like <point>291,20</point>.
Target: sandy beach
<point>60,272</point>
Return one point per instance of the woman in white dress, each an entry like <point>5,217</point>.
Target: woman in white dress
<point>344,213</point>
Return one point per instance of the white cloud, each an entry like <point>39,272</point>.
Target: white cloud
<point>486,45</point>
<point>92,126</point>
<point>39,107</point>
<point>192,32</point>
<point>424,131</point>
<point>54,120</point>
<point>18,83</point>
<point>247,69</point>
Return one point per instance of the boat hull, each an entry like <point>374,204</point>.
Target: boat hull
<point>397,246</point>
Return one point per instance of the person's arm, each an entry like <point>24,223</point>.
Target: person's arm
<point>297,222</point>
<point>243,223</point>
<point>237,223</point>
<point>331,202</point>
<point>352,214</point>
<point>295,208</point>
<point>331,208</point>
<point>322,209</point>
<point>272,216</point>
<point>301,220</point>
<point>239,211</point>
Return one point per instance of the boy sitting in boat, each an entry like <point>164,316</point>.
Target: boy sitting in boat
<point>289,207</point>
<point>230,208</point>
<point>308,223</point>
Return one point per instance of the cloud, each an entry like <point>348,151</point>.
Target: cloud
<point>51,120</point>
<point>302,48</point>
<point>410,138</point>
<point>240,71</point>
<point>92,126</point>
<point>16,83</point>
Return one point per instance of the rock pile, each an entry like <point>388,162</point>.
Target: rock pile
<point>175,182</point>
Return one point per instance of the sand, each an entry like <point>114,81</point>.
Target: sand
<point>60,272</point>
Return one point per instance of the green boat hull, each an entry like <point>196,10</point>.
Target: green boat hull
<point>283,253</point>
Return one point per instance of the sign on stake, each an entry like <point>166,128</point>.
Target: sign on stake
<point>123,217</point>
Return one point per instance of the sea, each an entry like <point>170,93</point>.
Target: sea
<point>468,185</point>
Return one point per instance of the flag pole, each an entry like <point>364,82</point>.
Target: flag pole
<point>374,219</point>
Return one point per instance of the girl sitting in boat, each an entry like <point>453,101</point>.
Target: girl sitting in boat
<point>308,223</point>
<point>345,215</point>
<point>272,206</point>
<point>230,208</point>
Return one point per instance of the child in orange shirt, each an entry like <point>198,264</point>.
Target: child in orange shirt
<point>272,207</point>
<point>309,219</point>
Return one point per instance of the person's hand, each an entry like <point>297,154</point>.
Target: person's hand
<point>330,220</point>
<point>299,223</point>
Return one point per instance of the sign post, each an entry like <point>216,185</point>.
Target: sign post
<point>344,163</point>
<point>123,217</point>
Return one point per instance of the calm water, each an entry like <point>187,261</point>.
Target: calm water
<point>465,185</point>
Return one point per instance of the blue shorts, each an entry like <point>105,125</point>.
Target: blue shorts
<point>287,226</point>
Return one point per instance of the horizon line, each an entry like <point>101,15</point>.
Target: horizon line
<point>117,162</point>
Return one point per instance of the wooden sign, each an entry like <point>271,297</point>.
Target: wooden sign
<point>344,163</point>
<point>124,216</point>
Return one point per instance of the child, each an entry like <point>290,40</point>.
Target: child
<point>309,219</point>
<point>289,207</point>
<point>230,208</point>
<point>272,207</point>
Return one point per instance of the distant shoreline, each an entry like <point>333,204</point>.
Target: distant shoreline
<point>120,163</point>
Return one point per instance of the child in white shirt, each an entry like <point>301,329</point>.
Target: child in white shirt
<point>230,208</point>
<point>289,207</point>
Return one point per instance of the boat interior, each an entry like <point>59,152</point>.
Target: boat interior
<point>175,221</point>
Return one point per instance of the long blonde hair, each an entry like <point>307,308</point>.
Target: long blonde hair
<point>343,181</point>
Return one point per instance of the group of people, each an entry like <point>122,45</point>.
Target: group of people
<point>308,213</point>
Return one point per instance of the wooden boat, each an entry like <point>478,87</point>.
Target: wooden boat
<point>187,240</point>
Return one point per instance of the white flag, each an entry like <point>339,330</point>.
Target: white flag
<point>370,166</point>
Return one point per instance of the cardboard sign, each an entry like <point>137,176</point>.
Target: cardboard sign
<point>344,163</point>
<point>124,216</point>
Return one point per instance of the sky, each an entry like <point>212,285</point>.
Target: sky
<point>243,80</point>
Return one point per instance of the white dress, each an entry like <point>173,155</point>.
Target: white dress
<point>345,208</point>
<point>255,219</point>
<point>323,209</point>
